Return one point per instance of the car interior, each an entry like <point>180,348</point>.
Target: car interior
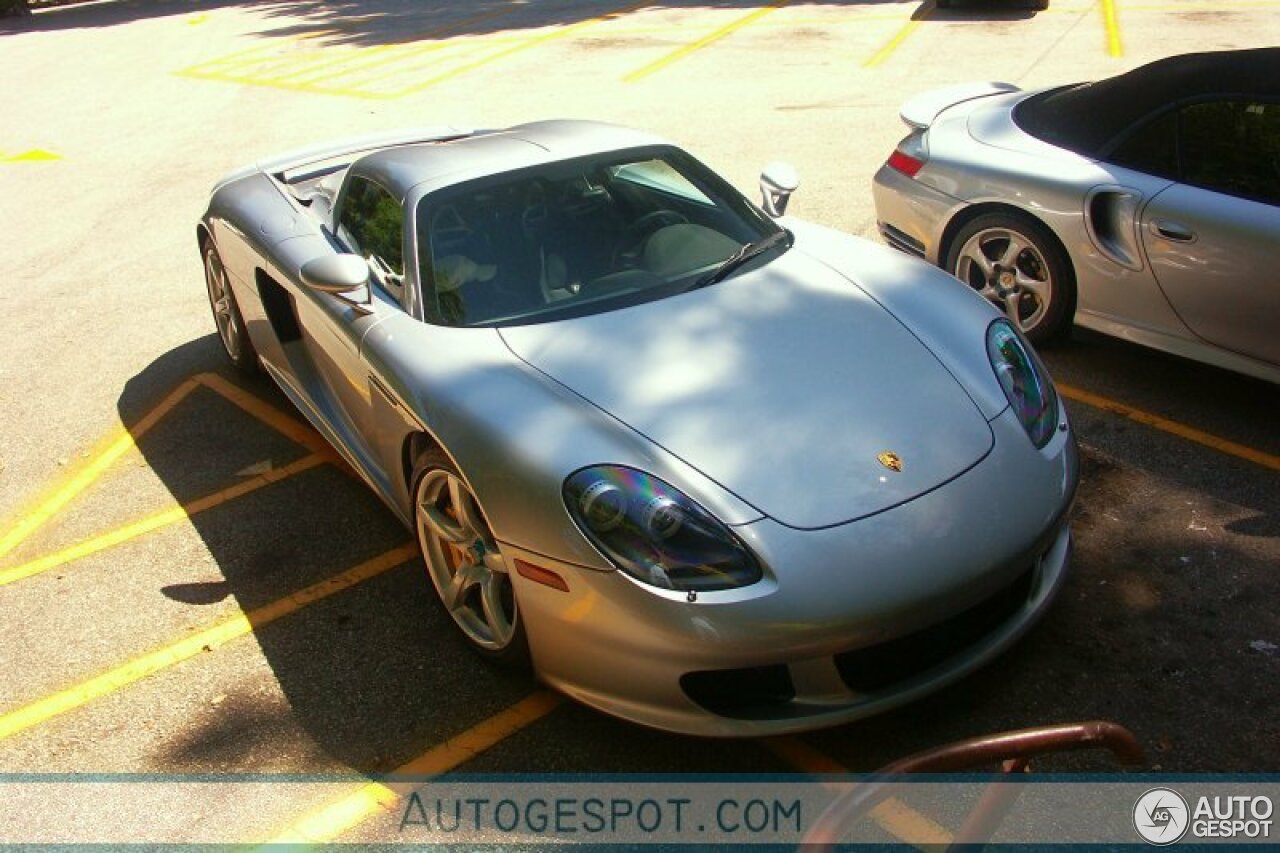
<point>527,247</point>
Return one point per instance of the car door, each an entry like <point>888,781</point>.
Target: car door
<point>1211,237</point>
<point>368,222</point>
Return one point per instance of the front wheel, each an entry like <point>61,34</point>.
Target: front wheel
<point>1014,262</point>
<point>465,563</point>
<point>226,314</point>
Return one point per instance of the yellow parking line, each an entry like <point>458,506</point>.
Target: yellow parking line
<point>287,425</point>
<point>879,57</point>
<point>894,816</point>
<point>558,33</point>
<point>209,639</point>
<point>1258,457</point>
<point>123,441</point>
<point>682,52</point>
<point>331,821</point>
<point>1112,22</point>
<point>35,155</point>
<point>155,522</point>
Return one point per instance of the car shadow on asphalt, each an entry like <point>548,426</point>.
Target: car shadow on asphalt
<point>373,676</point>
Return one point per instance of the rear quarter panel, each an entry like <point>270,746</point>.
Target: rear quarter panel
<point>977,154</point>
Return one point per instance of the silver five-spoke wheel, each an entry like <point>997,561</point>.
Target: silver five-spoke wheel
<point>1020,269</point>
<point>465,563</point>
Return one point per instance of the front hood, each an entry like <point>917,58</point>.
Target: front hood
<point>782,384</point>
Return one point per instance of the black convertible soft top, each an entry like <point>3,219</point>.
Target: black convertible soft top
<point>1087,118</point>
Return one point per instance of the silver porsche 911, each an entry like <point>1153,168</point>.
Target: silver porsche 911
<point>704,468</point>
<point>1145,206</point>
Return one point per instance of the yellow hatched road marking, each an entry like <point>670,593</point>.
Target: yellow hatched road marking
<point>1112,23</point>
<point>249,55</point>
<point>287,425</point>
<point>123,441</point>
<point>894,816</point>
<point>331,821</point>
<point>360,60</point>
<point>411,62</point>
<point>161,519</point>
<point>535,41</point>
<point>208,639</point>
<point>126,439</point>
<point>406,48</point>
<point>1258,457</point>
<point>710,38</point>
<point>300,73</point>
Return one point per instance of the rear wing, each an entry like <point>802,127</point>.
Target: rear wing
<point>919,112</point>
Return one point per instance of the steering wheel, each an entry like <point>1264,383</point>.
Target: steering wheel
<point>626,254</point>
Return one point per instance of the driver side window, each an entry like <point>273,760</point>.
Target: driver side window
<point>371,224</point>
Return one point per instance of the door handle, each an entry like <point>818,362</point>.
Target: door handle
<point>1170,230</point>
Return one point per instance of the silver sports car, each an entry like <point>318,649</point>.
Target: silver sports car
<point>702,467</point>
<point>1146,206</point>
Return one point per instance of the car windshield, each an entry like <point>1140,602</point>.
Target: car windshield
<point>581,237</point>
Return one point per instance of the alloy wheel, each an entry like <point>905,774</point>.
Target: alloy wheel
<point>464,561</point>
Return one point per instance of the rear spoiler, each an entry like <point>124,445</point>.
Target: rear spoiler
<point>920,111</point>
<point>293,165</point>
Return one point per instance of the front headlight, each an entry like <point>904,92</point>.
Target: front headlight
<point>656,533</point>
<point>1025,383</point>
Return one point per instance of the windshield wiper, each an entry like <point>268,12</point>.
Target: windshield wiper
<point>746,253</point>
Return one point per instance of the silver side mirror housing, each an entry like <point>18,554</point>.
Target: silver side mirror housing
<point>336,273</point>
<point>777,182</point>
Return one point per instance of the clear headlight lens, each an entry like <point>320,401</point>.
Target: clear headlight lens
<point>656,533</point>
<point>1024,381</point>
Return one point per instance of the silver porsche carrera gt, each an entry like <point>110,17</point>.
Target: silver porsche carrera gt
<point>1145,206</point>
<point>706,468</point>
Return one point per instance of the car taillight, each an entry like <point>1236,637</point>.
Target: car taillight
<point>905,163</point>
<point>910,155</point>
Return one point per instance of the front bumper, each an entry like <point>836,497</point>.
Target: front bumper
<point>910,215</point>
<point>854,619</point>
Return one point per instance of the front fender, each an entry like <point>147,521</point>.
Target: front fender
<point>515,434</point>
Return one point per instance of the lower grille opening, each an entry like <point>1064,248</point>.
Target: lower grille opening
<point>881,666</point>
<point>740,693</point>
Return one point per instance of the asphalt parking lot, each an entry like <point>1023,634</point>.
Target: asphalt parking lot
<point>191,583</point>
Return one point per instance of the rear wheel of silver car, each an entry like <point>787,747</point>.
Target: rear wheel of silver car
<point>1014,262</point>
<point>464,561</point>
<point>226,314</point>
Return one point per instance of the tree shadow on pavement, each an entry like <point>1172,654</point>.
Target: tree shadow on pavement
<point>385,22</point>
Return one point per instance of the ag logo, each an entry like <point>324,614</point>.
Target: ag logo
<point>1161,816</point>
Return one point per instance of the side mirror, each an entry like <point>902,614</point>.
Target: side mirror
<point>336,273</point>
<point>777,182</point>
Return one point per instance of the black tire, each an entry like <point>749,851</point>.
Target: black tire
<point>227,318</point>
<point>1041,278</point>
<point>512,652</point>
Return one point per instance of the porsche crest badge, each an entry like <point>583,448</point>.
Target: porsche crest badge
<point>890,460</point>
